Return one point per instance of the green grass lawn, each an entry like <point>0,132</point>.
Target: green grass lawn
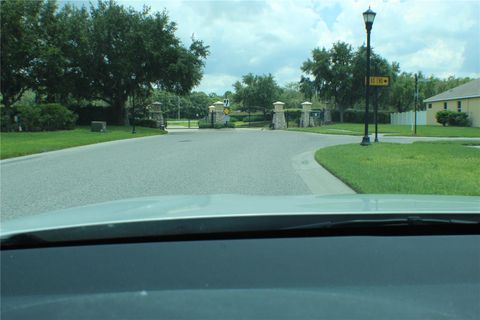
<point>357,129</point>
<point>447,168</point>
<point>14,144</point>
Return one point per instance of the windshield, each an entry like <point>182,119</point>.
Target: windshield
<point>239,159</point>
<point>114,100</point>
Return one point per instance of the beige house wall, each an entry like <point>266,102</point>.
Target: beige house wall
<point>471,106</point>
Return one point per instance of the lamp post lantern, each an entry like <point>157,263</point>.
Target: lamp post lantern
<point>368,17</point>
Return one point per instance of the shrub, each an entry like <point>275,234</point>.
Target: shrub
<point>358,116</point>
<point>6,119</point>
<point>451,118</point>
<point>45,117</point>
<point>443,116</point>
<point>224,125</point>
<point>253,117</point>
<point>56,117</point>
<point>204,124</point>
<point>459,119</point>
<point>29,118</point>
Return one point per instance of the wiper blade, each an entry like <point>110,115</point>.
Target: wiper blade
<point>389,222</point>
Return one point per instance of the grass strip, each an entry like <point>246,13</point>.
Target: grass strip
<point>443,167</point>
<point>14,144</point>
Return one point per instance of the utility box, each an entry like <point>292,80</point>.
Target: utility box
<point>98,126</point>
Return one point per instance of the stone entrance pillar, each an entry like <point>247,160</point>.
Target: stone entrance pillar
<point>219,112</point>
<point>306,120</point>
<point>327,116</point>
<point>211,115</point>
<point>278,120</point>
<point>155,113</point>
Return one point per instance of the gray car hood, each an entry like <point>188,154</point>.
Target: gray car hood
<point>189,207</point>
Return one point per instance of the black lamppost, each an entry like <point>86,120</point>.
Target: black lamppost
<point>368,17</point>
<point>133,106</point>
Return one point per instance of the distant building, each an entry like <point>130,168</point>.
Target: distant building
<point>464,98</point>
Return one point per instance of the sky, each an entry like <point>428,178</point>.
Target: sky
<point>439,38</point>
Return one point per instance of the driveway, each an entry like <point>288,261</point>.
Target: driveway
<point>187,162</point>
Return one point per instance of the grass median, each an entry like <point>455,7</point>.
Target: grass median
<point>357,129</point>
<point>446,168</point>
<point>14,144</point>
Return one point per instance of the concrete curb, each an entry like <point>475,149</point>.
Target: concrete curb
<point>316,177</point>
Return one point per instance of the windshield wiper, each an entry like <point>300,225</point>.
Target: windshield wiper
<point>389,222</point>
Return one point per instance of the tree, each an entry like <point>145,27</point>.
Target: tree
<point>379,66</point>
<point>291,95</point>
<point>199,104</point>
<point>307,87</point>
<point>18,47</point>
<point>256,93</point>
<point>403,89</point>
<point>50,62</point>
<point>125,52</point>
<point>333,74</point>
<point>74,25</point>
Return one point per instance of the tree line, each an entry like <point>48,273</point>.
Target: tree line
<point>120,57</point>
<point>106,52</point>
<point>335,78</point>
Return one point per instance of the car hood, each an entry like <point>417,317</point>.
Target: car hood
<point>204,206</point>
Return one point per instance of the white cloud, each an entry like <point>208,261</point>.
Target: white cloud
<point>287,74</point>
<point>435,37</point>
<point>216,82</point>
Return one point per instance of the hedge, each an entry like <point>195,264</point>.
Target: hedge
<point>203,124</point>
<point>459,119</point>
<point>253,117</point>
<point>44,117</point>
<point>358,116</point>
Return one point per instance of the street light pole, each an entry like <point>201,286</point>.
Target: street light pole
<point>133,111</point>
<point>368,17</point>
<point>178,107</point>
<point>415,106</point>
<point>133,105</point>
<point>375,106</point>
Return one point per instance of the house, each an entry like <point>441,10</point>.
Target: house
<point>464,98</point>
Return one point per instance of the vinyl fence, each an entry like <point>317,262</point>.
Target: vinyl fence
<point>406,118</point>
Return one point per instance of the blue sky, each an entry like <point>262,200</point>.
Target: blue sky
<point>435,37</point>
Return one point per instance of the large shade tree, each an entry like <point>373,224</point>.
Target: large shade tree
<point>134,50</point>
<point>19,47</point>
<point>107,52</point>
<point>332,71</point>
<point>256,93</point>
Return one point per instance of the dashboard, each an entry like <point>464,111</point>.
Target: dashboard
<point>339,277</point>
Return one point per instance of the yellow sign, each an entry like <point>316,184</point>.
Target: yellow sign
<point>380,81</point>
<point>226,111</point>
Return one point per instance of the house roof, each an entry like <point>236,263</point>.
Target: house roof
<point>468,90</point>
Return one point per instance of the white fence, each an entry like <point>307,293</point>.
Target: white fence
<point>407,118</point>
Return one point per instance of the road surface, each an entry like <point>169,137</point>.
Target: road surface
<point>252,162</point>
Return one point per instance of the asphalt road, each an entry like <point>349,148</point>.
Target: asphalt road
<point>251,162</point>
